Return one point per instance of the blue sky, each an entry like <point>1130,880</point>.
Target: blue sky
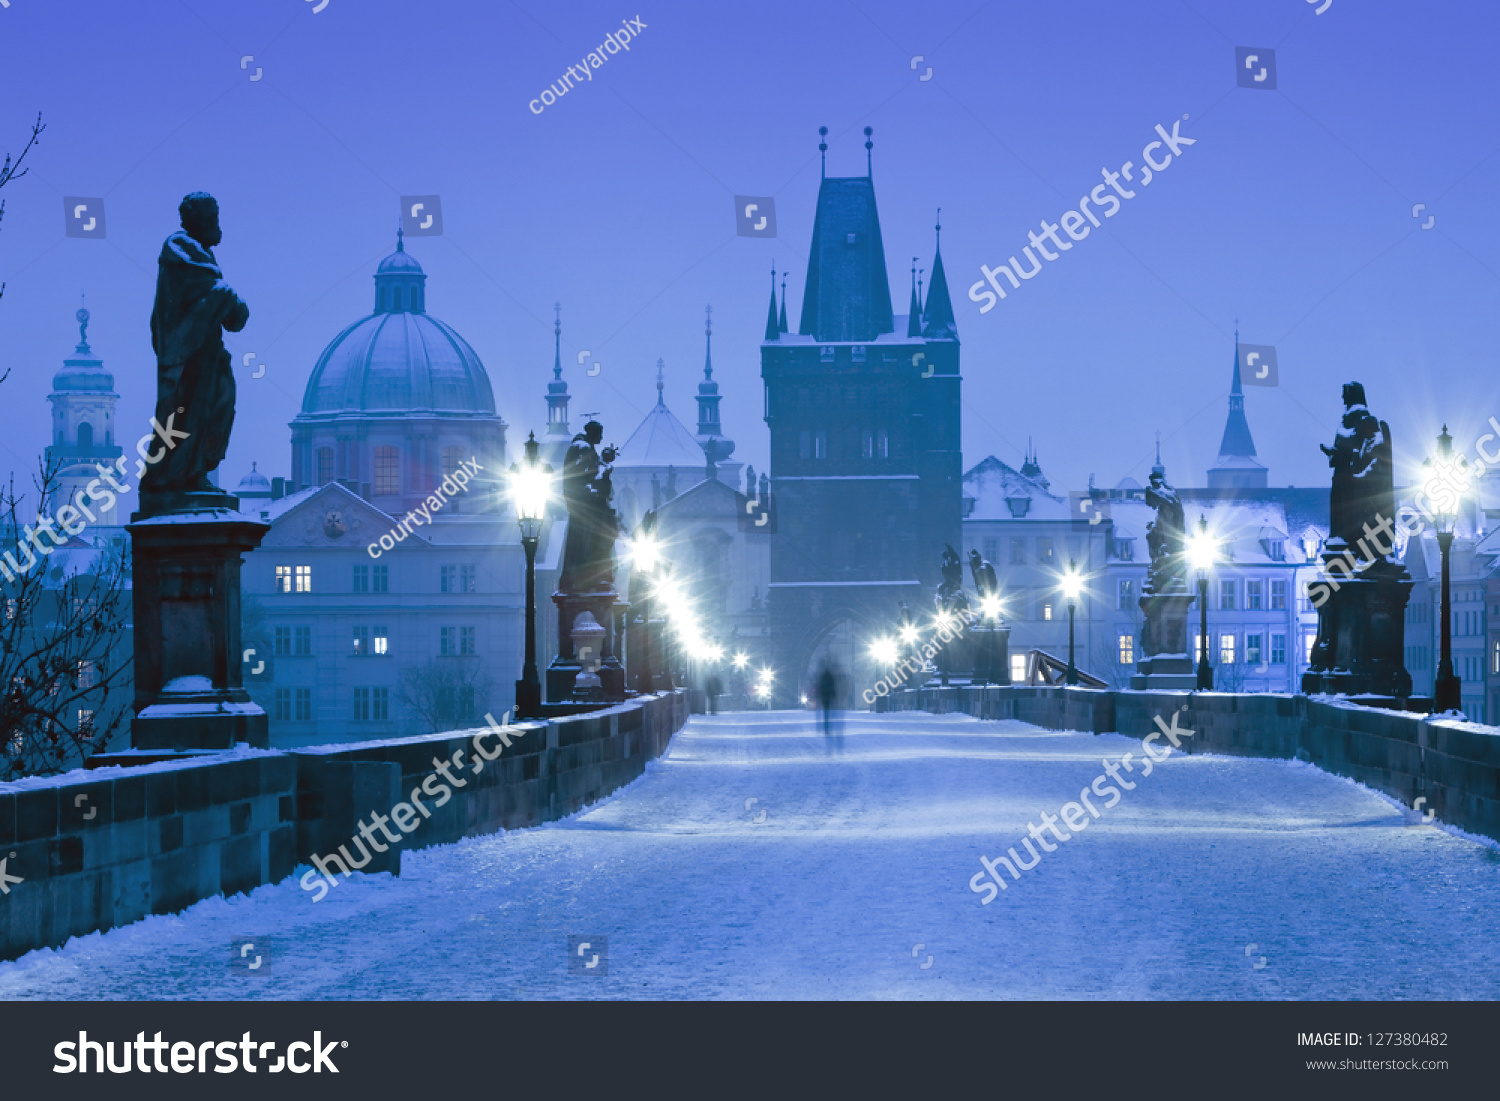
<point>1293,212</point>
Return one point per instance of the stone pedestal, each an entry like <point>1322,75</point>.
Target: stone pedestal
<point>186,575</point>
<point>566,666</point>
<point>1166,658</point>
<point>991,649</point>
<point>1361,632</point>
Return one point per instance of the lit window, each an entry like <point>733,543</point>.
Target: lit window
<point>882,444</point>
<point>1495,656</point>
<point>1278,596</point>
<point>387,472</point>
<point>1310,640</point>
<point>1127,649</point>
<point>820,445</point>
<point>380,641</point>
<point>1047,609</point>
<point>1017,668</point>
<point>87,674</point>
<point>361,641</point>
<point>85,722</point>
<point>304,579</point>
<point>1278,649</point>
<point>283,579</point>
<point>1226,649</point>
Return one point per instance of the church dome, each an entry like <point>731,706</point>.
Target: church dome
<point>254,484</point>
<point>399,358</point>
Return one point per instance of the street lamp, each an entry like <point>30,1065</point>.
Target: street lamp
<point>1447,693</point>
<point>1072,585</point>
<point>530,486</point>
<point>1201,554</point>
<point>885,651</point>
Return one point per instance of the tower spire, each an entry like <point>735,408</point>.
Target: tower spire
<point>914,311</point>
<point>557,340</point>
<point>773,328</point>
<point>823,150</point>
<point>660,384</point>
<point>869,145</point>
<point>781,321</point>
<point>557,389</point>
<point>400,238</point>
<point>938,322</point>
<point>708,342</point>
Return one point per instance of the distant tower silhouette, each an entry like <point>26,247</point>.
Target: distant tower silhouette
<point>83,426</point>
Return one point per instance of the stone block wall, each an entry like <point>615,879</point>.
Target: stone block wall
<point>94,850</point>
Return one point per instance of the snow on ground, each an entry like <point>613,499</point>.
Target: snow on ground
<point>864,853</point>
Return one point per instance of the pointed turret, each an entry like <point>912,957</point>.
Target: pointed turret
<point>781,321</point>
<point>914,311</point>
<point>1237,467</point>
<point>937,320</point>
<point>773,329</point>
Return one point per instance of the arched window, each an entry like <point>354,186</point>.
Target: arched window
<point>85,435</point>
<point>395,299</point>
<point>325,465</point>
<point>387,472</point>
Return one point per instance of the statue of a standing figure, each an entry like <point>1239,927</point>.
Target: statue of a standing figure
<point>985,582</point>
<point>588,564</point>
<point>950,595</point>
<point>194,380</point>
<point>1363,474</point>
<point>1166,538</point>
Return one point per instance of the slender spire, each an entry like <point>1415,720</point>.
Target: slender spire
<point>920,272</point>
<point>557,340</point>
<point>660,384</point>
<point>938,322</point>
<point>869,145</point>
<point>773,327</point>
<point>557,389</point>
<point>823,150</point>
<point>708,342</point>
<point>781,321</point>
<point>914,312</point>
<point>1157,467</point>
<point>400,238</point>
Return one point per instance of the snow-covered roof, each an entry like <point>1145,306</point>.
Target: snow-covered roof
<point>993,486</point>
<point>662,441</point>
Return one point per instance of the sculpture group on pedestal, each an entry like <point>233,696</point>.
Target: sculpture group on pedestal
<point>1165,662</point>
<point>587,604</point>
<point>1361,619</point>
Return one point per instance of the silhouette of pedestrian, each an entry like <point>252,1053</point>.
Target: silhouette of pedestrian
<point>828,691</point>
<point>713,689</point>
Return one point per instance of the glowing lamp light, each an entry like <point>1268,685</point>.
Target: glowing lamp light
<point>909,633</point>
<point>884,651</point>
<point>990,606</point>
<point>530,487</point>
<point>645,552</point>
<point>1072,585</point>
<point>740,660</point>
<point>1202,548</point>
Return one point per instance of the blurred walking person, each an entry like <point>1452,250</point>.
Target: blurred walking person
<point>828,694</point>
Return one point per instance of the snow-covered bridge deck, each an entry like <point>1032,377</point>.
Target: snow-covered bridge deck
<point>850,858</point>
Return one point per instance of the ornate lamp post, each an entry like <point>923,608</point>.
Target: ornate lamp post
<point>1201,554</point>
<point>989,610</point>
<point>1072,584</point>
<point>530,484</point>
<point>645,553</point>
<point>1447,693</point>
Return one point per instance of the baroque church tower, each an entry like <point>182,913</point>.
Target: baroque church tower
<point>83,424</point>
<point>863,411</point>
